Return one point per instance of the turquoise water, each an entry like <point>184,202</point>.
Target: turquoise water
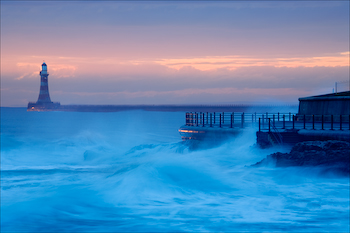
<point>129,171</point>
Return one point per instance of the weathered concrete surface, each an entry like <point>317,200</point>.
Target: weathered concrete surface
<point>290,137</point>
<point>343,135</point>
<point>313,153</point>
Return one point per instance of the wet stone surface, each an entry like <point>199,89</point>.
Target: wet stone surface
<point>332,153</point>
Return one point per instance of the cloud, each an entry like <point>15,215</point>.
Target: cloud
<point>303,78</point>
<point>234,62</point>
<point>28,75</point>
<point>31,70</point>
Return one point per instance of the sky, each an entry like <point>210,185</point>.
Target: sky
<point>173,52</point>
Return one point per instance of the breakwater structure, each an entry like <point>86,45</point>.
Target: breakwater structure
<point>163,108</point>
<point>324,117</point>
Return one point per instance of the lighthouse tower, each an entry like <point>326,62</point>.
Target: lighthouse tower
<point>44,96</point>
<point>44,102</point>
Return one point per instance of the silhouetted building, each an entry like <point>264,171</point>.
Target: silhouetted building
<point>329,104</point>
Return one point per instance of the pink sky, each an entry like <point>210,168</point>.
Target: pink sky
<point>173,53</point>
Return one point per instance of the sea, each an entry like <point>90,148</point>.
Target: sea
<point>130,171</point>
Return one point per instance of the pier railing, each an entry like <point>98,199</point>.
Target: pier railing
<point>231,119</point>
<point>310,122</point>
<point>267,121</point>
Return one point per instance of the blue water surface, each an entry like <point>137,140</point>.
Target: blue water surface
<point>130,171</point>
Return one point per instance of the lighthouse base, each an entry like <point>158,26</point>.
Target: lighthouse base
<point>51,106</point>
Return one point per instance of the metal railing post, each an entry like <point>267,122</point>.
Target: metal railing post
<point>203,119</point>
<point>313,121</point>
<point>197,119</point>
<point>194,119</point>
<point>207,118</point>
<point>231,120</point>
<point>304,122</point>
<point>263,120</point>
<point>331,122</point>
<point>220,120</point>
<point>211,120</point>
<point>269,124</point>
<point>284,121</point>
<point>242,120</point>
<point>322,122</point>
<point>214,118</point>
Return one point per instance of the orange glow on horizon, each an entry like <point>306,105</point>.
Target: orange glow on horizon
<point>68,67</point>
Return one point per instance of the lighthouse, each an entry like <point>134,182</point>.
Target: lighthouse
<point>44,102</point>
<point>44,96</point>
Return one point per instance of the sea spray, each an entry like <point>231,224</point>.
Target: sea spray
<point>130,171</point>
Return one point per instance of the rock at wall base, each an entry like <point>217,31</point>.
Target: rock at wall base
<point>335,154</point>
